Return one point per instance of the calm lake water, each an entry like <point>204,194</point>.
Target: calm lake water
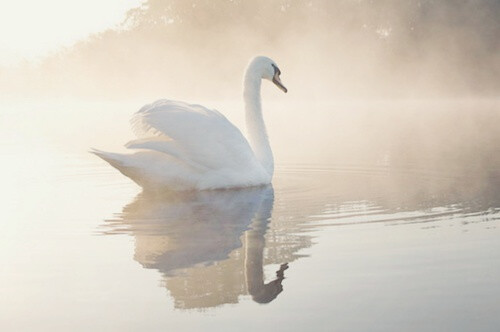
<point>380,218</point>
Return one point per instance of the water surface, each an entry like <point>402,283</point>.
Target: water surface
<point>386,234</point>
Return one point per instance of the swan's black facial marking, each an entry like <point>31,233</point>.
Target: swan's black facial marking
<point>276,78</point>
<point>277,71</point>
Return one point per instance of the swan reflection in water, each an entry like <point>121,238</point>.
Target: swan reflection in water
<point>208,245</point>
<point>211,246</point>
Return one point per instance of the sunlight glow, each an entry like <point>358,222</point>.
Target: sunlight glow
<point>30,29</point>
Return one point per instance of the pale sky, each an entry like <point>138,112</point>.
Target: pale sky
<point>30,29</point>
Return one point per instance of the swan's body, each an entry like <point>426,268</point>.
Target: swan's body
<point>189,147</point>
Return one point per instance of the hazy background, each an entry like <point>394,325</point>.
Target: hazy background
<point>345,49</point>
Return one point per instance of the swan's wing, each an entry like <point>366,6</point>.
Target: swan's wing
<point>192,133</point>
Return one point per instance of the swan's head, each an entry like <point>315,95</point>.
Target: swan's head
<point>267,69</point>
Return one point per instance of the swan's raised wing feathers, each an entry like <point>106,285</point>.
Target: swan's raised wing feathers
<point>192,133</point>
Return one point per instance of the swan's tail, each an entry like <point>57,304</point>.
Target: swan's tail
<point>151,169</point>
<point>119,161</point>
<point>114,159</point>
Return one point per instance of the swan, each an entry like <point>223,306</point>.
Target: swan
<point>183,146</point>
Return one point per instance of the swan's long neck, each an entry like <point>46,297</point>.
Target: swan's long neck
<point>256,129</point>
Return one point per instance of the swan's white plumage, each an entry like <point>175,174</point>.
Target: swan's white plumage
<point>197,135</point>
<point>183,146</point>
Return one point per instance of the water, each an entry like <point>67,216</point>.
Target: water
<point>352,243</point>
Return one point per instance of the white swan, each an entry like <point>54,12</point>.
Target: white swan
<point>189,147</point>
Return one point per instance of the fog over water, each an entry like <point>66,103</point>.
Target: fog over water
<point>328,49</point>
<point>383,213</point>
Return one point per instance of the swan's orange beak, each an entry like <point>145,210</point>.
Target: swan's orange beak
<point>277,81</point>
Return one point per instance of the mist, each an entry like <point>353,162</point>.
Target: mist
<point>355,49</point>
